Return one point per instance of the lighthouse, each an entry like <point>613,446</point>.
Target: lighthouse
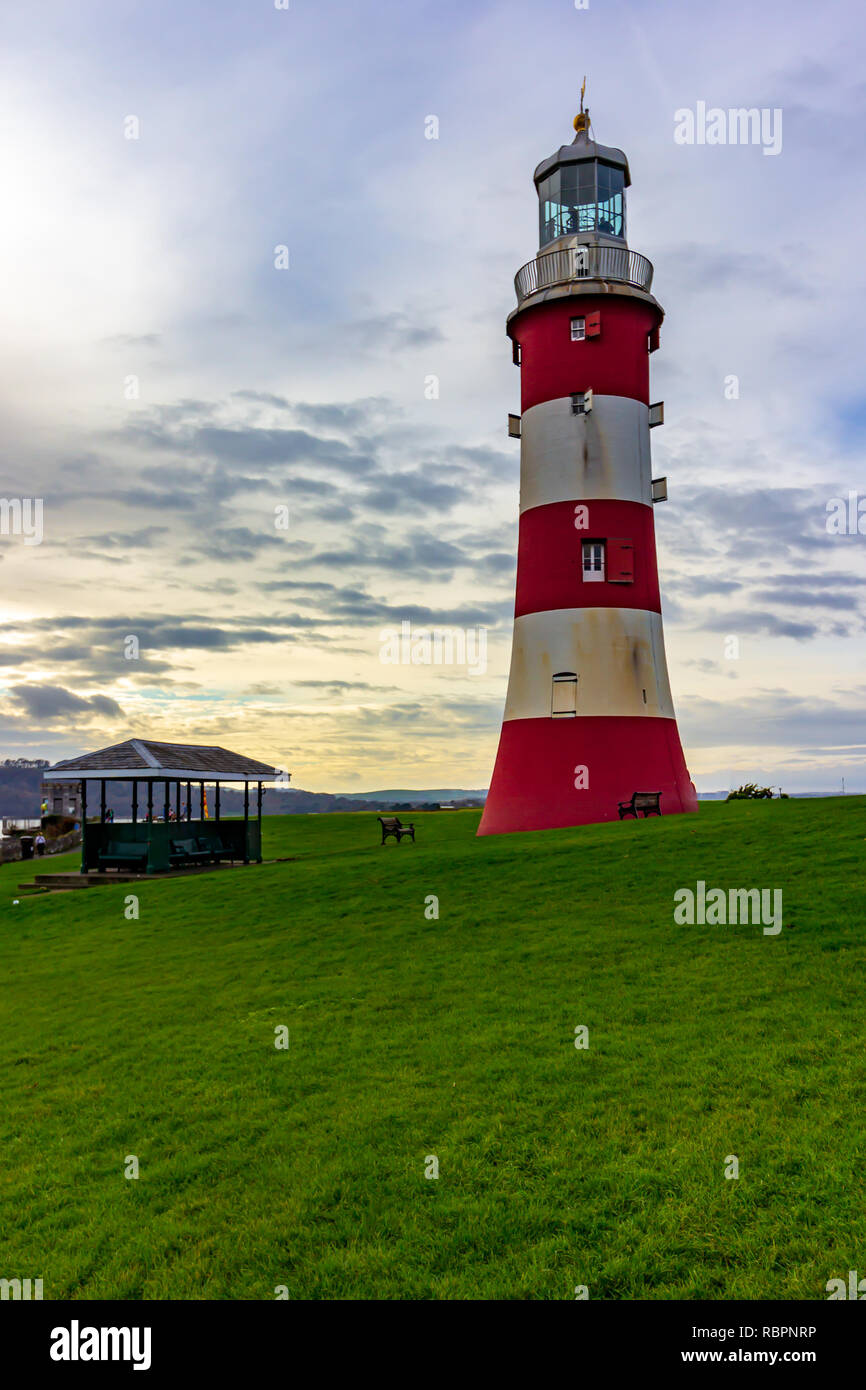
<point>589,718</point>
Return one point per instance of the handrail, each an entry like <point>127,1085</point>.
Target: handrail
<point>583,263</point>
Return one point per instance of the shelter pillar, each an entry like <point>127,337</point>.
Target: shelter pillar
<point>83,826</point>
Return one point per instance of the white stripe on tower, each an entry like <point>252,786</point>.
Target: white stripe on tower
<point>603,454</point>
<point>617,654</point>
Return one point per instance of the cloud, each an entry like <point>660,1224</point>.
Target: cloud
<point>52,702</point>
<point>134,340</point>
<point>807,597</point>
<point>767,624</point>
<point>775,719</point>
<point>334,415</point>
<point>708,270</point>
<point>392,331</point>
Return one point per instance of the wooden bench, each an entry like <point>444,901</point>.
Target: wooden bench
<point>391,826</point>
<point>648,802</point>
<point>117,855</point>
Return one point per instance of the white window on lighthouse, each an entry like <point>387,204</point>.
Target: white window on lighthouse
<point>593,562</point>
<point>563,703</point>
<point>578,330</point>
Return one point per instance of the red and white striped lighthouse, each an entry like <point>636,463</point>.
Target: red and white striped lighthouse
<point>589,717</point>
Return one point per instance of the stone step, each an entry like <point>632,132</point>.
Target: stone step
<point>56,881</point>
<point>63,881</point>
<point>49,881</point>
<point>95,880</point>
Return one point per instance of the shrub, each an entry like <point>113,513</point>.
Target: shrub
<point>751,792</point>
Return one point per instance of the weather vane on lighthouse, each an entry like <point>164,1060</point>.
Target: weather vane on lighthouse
<point>581,120</point>
<point>589,731</point>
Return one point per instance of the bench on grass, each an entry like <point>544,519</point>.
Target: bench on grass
<point>648,802</point>
<point>185,852</point>
<point>117,855</point>
<point>391,825</point>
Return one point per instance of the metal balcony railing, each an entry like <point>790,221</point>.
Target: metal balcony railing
<point>583,263</point>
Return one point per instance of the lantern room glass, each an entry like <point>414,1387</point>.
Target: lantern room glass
<point>586,197</point>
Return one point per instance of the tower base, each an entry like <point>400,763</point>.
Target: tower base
<point>539,761</point>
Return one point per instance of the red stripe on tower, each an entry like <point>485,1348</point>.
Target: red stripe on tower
<point>589,717</point>
<point>617,356</point>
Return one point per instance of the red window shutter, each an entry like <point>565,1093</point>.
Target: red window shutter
<point>593,324</point>
<point>620,562</point>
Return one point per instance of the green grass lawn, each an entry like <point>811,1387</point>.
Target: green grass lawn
<point>453,1037</point>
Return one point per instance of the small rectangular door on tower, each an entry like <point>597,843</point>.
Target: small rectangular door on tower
<point>620,561</point>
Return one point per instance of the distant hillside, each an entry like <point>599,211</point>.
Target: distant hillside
<point>440,794</point>
<point>19,790</point>
<point>19,796</point>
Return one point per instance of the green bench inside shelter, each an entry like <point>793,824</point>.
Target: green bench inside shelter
<point>118,855</point>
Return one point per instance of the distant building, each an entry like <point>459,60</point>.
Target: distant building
<point>61,799</point>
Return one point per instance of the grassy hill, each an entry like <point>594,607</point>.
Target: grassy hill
<point>454,1037</point>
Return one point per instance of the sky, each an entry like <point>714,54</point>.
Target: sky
<point>253,362</point>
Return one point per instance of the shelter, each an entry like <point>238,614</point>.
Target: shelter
<point>165,774</point>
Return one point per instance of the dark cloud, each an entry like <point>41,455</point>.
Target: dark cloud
<point>833,579</point>
<point>231,543</point>
<point>250,444</point>
<point>396,330</point>
<point>262,398</point>
<point>350,606</point>
<point>775,718</point>
<point>134,340</point>
<point>701,268</point>
<point>709,667</point>
<point>54,702</point>
<point>402,492</point>
<point>699,585</point>
<point>807,598</point>
<point>115,546</point>
<point>334,416</point>
<point>767,624</point>
<point>422,553</point>
<point>310,487</point>
<point>737,534</point>
<point>341,686</point>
